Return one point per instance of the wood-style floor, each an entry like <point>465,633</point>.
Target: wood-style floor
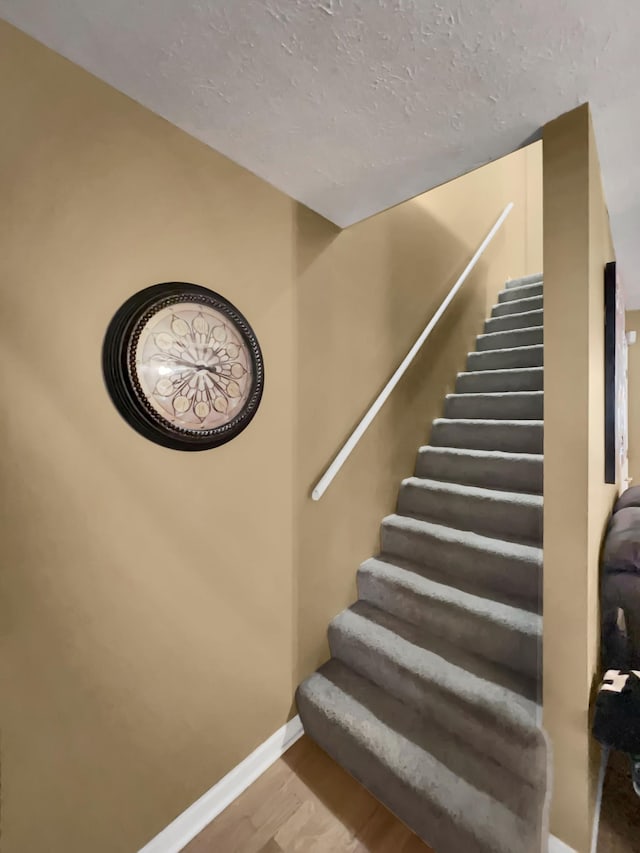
<point>306,803</point>
<point>620,814</point>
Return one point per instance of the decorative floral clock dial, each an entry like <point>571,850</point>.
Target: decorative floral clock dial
<point>183,366</point>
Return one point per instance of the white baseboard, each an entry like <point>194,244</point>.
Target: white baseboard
<point>557,846</point>
<point>186,826</point>
<point>193,820</point>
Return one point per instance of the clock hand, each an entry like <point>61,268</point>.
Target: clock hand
<point>178,362</point>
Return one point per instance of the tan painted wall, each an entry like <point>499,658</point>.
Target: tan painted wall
<point>158,608</point>
<point>632,324</point>
<point>577,503</point>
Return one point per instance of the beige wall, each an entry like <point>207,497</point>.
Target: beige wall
<point>577,503</point>
<point>144,649</point>
<point>632,324</point>
<point>158,608</point>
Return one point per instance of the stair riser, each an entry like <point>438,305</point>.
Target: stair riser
<point>498,574</point>
<point>510,322</point>
<point>523,475</point>
<point>509,438</point>
<point>496,381</point>
<point>511,520</point>
<point>433,700</point>
<point>506,359</point>
<point>500,643</point>
<point>511,338</point>
<point>523,292</point>
<point>518,306</point>
<point>507,407</point>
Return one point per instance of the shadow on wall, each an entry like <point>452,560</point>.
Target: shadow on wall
<point>363,297</point>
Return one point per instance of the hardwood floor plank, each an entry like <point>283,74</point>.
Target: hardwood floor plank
<point>620,814</point>
<point>271,847</point>
<point>384,833</point>
<point>312,830</point>
<point>320,778</point>
<point>306,803</point>
<point>235,836</point>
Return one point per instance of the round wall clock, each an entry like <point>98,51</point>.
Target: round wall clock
<point>183,366</point>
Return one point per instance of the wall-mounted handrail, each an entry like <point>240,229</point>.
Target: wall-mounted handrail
<point>325,481</point>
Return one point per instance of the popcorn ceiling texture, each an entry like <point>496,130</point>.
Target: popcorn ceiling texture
<point>351,106</point>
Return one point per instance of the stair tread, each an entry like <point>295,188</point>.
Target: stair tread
<point>428,584</point>
<point>533,278</point>
<point>537,327</point>
<point>475,492</point>
<point>484,454</point>
<point>468,592</point>
<point>525,302</point>
<point>508,371</point>
<point>378,731</point>
<point>507,569</point>
<point>533,314</point>
<point>502,635</point>
<point>517,306</point>
<point>495,404</point>
<point>521,291</point>
<point>456,672</point>
<point>487,352</point>
<point>530,355</point>
<point>514,435</point>
<point>496,395</point>
<point>500,380</point>
<point>514,321</point>
<point>467,538</point>
<point>504,334</point>
<point>508,470</point>
<point>497,421</point>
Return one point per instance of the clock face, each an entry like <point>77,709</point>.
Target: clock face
<point>193,366</point>
<point>183,366</point>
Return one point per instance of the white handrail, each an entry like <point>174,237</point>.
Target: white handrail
<point>325,481</point>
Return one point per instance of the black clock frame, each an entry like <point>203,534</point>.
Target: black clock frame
<point>118,354</point>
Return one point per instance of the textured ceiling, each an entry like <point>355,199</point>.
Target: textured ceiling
<point>351,106</point>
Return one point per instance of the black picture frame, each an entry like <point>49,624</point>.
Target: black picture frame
<point>610,384</point>
<point>119,349</point>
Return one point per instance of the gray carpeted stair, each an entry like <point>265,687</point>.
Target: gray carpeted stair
<point>431,696</point>
<point>510,338</point>
<point>511,436</point>
<point>535,278</point>
<point>514,321</point>
<point>491,630</point>
<point>517,306</point>
<point>494,469</point>
<point>497,405</point>
<point>456,797</point>
<point>521,291</point>
<point>505,359</point>
<point>503,568</point>
<point>511,379</point>
<point>488,511</point>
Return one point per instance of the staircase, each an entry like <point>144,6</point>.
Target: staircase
<point>430,696</point>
